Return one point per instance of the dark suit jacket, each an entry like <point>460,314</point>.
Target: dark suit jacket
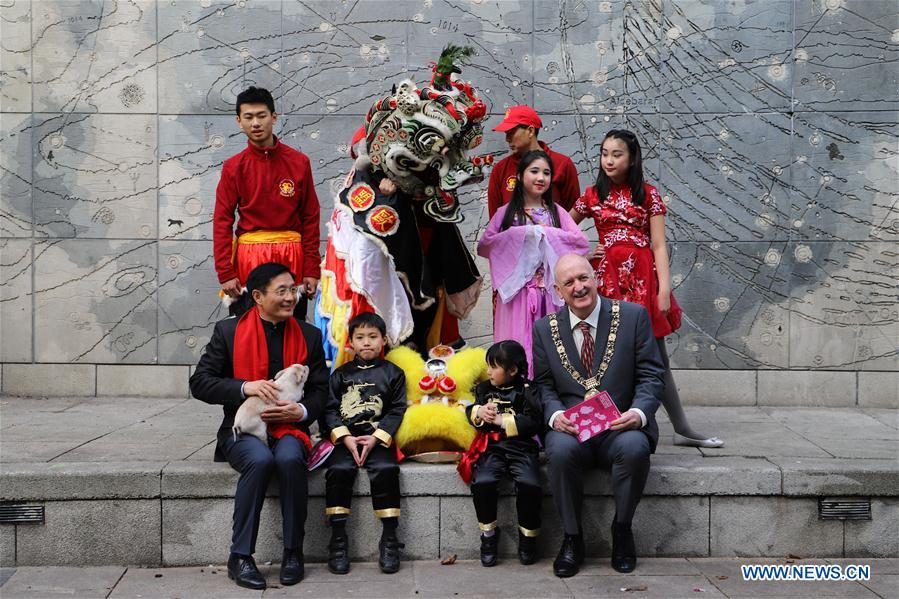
<point>213,380</point>
<point>633,379</point>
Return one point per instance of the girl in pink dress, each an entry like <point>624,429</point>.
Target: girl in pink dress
<point>523,242</point>
<point>631,259</point>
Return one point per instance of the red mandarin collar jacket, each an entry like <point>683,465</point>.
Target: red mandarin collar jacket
<point>272,189</point>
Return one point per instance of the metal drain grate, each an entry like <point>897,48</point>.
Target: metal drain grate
<point>855,508</point>
<point>21,514</point>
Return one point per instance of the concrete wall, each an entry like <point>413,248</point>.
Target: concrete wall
<point>769,126</point>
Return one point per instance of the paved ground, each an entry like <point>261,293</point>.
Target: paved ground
<point>163,430</point>
<point>659,577</point>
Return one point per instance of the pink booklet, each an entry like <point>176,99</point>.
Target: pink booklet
<point>319,454</point>
<point>593,415</point>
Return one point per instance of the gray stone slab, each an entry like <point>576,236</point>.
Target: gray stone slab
<point>359,47</point>
<point>224,52</point>
<point>726,575</point>
<point>878,537</point>
<point>824,77</point>
<point>198,531</point>
<point>68,536</point>
<point>672,526</point>
<point>755,526</point>
<point>143,381</point>
<point>579,67</point>
<point>719,60</point>
<point>879,566</point>
<point>878,389</point>
<point>884,416</point>
<point>95,176</point>
<point>95,301</point>
<point>459,533</point>
<point>691,475</point>
<point>747,277</point>
<point>15,158</point>
<point>15,298</point>
<point>648,566</point>
<point>806,388</point>
<point>812,476</point>
<point>80,77</point>
<point>7,546</point>
<point>15,53</point>
<point>80,480</point>
<point>42,582</point>
<point>211,582</point>
<point>470,579</point>
<point>886,585</point>
<point>716,387</point>
<point>363,580</point>
<point>844,423</point>
<point>32,451</point>
<point>641,585</point>
<point>34,379</point>
<point>762,440</point>
<point>848,298</point>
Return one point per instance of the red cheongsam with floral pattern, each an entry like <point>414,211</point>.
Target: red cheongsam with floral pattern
<point>627,270</point>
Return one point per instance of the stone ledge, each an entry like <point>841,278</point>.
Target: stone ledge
<point>815,476</point>
<point>671,475</point>
<point>61,481</point>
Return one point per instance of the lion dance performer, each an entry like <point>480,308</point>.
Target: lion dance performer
<point>395,248</point>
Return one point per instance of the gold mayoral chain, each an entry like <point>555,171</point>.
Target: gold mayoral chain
<point>591,384</point>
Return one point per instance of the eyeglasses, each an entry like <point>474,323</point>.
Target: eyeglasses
<point>285,291</point>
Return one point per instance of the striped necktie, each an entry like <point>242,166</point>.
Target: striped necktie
<point>586,345</point>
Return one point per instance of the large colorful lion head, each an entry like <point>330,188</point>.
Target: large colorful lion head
<point>419,138</point>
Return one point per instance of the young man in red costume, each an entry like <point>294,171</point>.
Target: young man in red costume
<point>270,186</point>
<point>522,126</point>
<point>241,360</point>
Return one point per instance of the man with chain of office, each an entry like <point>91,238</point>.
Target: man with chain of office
<point>596,344</point>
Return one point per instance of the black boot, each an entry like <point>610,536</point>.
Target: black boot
<point>489,548</point>
<point>338,554</point>
<point>292,567</point>
<point>570,557</point>
<point>527,549</point>
<point>624,552</point>
<point>242,570</point>
<point>389,554</point>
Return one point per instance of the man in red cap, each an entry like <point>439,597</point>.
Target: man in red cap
<point>521,126</point>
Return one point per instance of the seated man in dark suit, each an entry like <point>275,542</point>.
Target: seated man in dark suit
<point>596,344</point>
<point>240,361</point>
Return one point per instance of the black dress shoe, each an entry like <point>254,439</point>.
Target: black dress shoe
<point>389,558</point>
<point>624,552</point>
<point>568,561</point>
<point>242,570</point>
<point>292,567</point>
<point>338,555</point>
<point>527,549</point>
<point>489,548</point>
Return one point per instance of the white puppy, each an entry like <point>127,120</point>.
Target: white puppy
<point>248,421</point>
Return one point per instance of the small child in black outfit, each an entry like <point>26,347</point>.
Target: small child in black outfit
<point>507,416</point>
<point>365,408</point>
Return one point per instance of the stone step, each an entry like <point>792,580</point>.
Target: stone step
<point>179,513</point>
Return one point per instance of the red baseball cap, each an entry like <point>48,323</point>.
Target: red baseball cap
<point>519,116</point>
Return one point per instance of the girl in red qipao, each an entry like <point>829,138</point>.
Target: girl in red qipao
<point>631,259</point>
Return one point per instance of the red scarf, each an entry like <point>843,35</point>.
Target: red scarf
<point>478,447</point>
<point>251,360</point>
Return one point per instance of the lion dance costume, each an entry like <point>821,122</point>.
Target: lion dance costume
<point>401,254</point>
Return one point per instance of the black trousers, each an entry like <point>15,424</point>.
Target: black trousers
<point>383,474</point>
<point>256,463</point>
<point>517,458</point>
<point>625,453</point>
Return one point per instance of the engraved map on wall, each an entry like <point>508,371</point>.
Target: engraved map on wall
<point>769,127</point>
